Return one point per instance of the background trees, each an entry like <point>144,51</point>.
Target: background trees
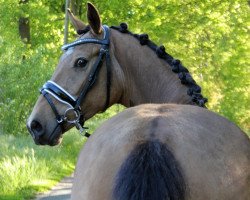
<point>210,37</point>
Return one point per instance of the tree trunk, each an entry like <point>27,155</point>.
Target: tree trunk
<point>66,24</point>
<point>24,26</point>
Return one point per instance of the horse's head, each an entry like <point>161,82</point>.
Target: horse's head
<point>103,67</point>
<point>80,87</point>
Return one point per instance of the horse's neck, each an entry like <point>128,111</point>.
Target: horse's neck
<point>148,79</point>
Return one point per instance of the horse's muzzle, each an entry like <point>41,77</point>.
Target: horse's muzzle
<point>39,136</point>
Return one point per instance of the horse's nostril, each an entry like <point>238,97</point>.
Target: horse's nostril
<point>36,127</point>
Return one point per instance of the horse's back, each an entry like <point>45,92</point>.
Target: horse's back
<point>213,153</point>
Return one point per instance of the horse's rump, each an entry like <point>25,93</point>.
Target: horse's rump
<point>163,152</point>
<point>150,172</point>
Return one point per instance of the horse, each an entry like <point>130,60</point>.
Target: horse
<point>105,66</point>
<point>164,152</point>
<point>150,151</point>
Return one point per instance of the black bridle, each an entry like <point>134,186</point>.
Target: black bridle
<point>51,88</point>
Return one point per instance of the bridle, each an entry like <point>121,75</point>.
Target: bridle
<point>51,88</point>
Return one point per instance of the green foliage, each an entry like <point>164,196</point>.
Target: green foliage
<point>24,68</point>
<point>27,168</point>
<point>210,37</point>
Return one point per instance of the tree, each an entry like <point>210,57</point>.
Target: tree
<point>24,25</point>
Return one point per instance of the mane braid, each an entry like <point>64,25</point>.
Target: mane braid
<point>194,90</point>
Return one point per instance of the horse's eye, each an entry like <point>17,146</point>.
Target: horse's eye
<point>81,62</point>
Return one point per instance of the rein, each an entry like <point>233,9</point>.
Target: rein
<point>51,88</point>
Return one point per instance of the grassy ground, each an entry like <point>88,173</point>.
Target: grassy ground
<point>26,169</point>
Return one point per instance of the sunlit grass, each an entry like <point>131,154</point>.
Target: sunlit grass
<point>26,169</point>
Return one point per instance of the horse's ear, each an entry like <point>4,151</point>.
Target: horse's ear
<point>94,19</point>
<point>77,23</point>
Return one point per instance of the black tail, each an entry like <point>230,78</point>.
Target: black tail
<point>150,172</point>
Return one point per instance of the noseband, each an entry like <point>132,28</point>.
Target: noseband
<point>50,88</point>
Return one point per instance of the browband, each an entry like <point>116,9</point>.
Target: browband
<point>104,41</point>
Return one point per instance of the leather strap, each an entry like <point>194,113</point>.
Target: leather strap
<point>64,97</point>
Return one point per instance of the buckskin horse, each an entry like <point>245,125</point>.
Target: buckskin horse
<point>164,152</point>
<point>146,152</point>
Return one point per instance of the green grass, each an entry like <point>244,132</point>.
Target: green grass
<point>26,169</point>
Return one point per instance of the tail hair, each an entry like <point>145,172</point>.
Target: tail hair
<point>150,172</point>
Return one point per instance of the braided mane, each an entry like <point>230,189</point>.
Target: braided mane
<point>194,90</point>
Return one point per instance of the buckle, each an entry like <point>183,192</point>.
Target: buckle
<point>104,50</point>
<point>60,120</point>
<point>71,115</point>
